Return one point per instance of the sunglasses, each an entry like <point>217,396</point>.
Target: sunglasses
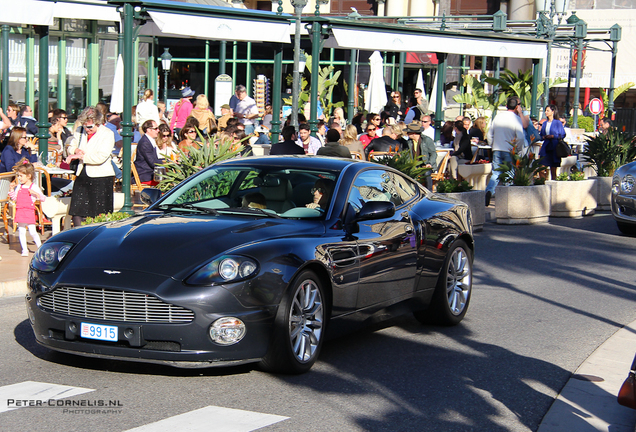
<point>89,126</point>
<point>314,190</point>
<point>166,135</point>
<point>153,128</point>
<point>63,118</point>
<point>395,97</point>
<point>191,131</point>
<point>376,119</point>
<point>370,129</point>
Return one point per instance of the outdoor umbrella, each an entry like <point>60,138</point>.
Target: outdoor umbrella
<point>432,105</point>
<point>420,84</point>
<point>117,97</point>
<point>376,98</point>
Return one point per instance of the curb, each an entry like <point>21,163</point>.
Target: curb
<point>13,288</point>
<point>586,406</point>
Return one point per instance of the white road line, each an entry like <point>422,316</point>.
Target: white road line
<point>212,418</point>
<point>35,391</point>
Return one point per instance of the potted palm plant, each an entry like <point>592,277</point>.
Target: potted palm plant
<point>571,195</point>
<point>461,191</point>
<point>604,153</point>
<point>522,197</point>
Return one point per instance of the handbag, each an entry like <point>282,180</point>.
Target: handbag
<point>627,393</point>
<point>562,149</point>
<point>74,165</point>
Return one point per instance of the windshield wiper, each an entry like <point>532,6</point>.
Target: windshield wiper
<point>187,206</point>
<point>252,210</point>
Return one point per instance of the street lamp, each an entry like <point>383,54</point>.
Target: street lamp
<point>298,9</point>
<point>546,27</point>
<point>166,62</point>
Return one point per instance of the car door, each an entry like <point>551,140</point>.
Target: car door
<point>387,247</point>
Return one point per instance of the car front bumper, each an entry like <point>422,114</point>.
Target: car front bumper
<point>180,344</point>
<point>624,208</point>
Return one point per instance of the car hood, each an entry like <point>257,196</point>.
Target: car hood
<point>172,244</point>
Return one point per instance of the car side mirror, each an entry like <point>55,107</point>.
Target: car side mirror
<point>375,210</point>
<point>150,196</point>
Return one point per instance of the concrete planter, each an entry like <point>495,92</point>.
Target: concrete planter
<point>572,198</point>
<point>603,192</point>
<point>519,205</point>
<point>475,200</point>
<point>56,209</point>
<point>476,174</point>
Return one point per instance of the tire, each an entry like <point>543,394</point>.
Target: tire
<point>299,327</point>
<point>626,228</point>
<point>454,288</point>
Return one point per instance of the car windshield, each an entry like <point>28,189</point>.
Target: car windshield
<point>254,191</point>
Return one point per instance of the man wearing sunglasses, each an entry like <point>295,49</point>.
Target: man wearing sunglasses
<point>147,153</point>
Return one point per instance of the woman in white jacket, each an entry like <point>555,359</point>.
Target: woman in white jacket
<point>92,146</point>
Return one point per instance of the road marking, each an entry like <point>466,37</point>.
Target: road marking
<point>35,391</point>
<point>214,418</point>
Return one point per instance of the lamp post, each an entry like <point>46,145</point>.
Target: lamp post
<point>166,62</point>
<point>298,9</point>
<point>546,27</point>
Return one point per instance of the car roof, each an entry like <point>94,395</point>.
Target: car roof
<point>296,161</point>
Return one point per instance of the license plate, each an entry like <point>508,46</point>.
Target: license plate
<point>99,332</point>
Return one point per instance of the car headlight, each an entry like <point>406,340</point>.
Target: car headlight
<point>224,269</point>
<point>50,255</point>
<point>627,184</point>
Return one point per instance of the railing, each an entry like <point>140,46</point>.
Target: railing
<point>626,117</point>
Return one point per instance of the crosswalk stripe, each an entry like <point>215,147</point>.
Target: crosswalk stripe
<point>212,418</point>
<point>35,391</point>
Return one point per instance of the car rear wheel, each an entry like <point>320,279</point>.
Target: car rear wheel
<point>299,327</point>
<point>626,228</point>
<point>454,288</point>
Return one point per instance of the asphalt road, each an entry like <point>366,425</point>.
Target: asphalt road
<point>545,297</point>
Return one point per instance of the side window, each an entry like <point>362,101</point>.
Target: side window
<point>404,188</point>
<point>376,185</point>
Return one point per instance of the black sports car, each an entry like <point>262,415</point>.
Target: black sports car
<point>252,260</point>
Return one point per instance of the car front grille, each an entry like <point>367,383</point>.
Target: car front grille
<point>104,304</point>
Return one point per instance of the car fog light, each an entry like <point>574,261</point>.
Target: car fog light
<point>627,184</point>
<point>227,330</point>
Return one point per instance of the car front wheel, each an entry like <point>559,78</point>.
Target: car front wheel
<point>454,288</point>
<point>299,327</point>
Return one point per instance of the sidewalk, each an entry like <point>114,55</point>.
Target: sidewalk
<point>587,403</point>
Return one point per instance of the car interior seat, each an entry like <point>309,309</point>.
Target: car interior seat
<point>277,192</point>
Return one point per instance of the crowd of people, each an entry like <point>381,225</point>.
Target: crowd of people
<point>93,150</point>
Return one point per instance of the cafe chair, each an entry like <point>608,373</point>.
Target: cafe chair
<point>442,164</point>
<point>356,155</point>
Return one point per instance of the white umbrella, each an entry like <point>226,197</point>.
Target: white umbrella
<point>432,105</point>
<point>420,84</point>
<point>117,97</point>
<point>376,98</point>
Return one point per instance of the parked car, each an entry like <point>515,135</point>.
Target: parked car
<point>210,274</point>
<point>623,200</point>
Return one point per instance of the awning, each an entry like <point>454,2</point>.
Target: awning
<point>213,28</point>
<point>26,12</point>
<point>453,44</point>
<point>86,11</point>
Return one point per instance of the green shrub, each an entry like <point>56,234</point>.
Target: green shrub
<point>106,217</point>
<point>404,163</point>
<point>583,122</point>
<point>608,151</point>
<point>451,185</point>
<point>574,176</point>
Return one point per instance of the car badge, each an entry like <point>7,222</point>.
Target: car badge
<point>112,272</point>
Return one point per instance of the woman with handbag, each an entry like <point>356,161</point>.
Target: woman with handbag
<point>552,132</point>
<point>91,148</point>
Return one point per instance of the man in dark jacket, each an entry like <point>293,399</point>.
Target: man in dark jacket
<point>386,143</point>
<point>333,147</point>
<point>288,146</point>
<point>147,156</point>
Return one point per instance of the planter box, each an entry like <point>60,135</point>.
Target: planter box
<point>476,174</point>
<point>572,198</point>
<point>475,200</point>
<point>518,205</point>
<point>603,192</point>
